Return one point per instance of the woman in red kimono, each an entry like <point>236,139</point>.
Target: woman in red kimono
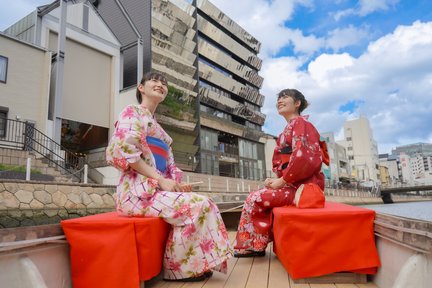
<point>297,160</point>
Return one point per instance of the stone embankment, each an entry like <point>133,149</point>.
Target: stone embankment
<point>27,203</point>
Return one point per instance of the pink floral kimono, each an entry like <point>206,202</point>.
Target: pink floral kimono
<point>297,158</point>
<point>199,240</point>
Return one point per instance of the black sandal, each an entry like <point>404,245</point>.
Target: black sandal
<point>249,253</point>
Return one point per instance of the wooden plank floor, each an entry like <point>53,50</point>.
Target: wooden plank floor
<point>259,272</point>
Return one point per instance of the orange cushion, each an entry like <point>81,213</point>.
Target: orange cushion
<point>315,242</point>
<point>108,250</point>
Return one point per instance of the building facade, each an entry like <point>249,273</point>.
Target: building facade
<point>393,170</point>
<point>412,150</point>
<point>23,93</point>
<point>339,169</point>
<point>85,95</point>
<point>213,108</point>
<point>362,150</point>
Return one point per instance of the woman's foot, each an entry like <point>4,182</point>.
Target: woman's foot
<point>248,253</point>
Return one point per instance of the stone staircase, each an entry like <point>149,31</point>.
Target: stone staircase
<point>19,158</point>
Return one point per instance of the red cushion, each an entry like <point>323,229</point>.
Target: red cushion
<point>108,250</point>
<point>315,242</point>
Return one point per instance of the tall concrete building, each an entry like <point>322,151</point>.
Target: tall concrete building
<point>213,108</point>
<point>361,149</point>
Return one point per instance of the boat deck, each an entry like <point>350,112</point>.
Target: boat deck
<point>259,272</point>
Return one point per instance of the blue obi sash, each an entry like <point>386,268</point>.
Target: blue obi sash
<point>159,150</point>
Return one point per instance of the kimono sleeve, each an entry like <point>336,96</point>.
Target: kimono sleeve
<point>126,143</point>
<point>306,157</point>
<point>174,172</point>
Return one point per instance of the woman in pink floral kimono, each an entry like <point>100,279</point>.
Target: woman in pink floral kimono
<point>150,185</point>
<point>297,160</point>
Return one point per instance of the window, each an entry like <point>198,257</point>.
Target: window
<point>3,120</point>
<point>3,68</point>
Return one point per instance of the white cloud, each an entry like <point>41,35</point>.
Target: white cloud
<point>366,7</point>
<point>343,37</point>
<point>322,68</point>
<point>392,80</point>
<point>266,21</point>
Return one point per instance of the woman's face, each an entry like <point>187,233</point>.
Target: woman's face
<point>287,106</point>
<point>154,88</point>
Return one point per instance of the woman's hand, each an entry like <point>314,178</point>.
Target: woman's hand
<point>186,187</point>
<point>169,185</point>
<point>274,183</point>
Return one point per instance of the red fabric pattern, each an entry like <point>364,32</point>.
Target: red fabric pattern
<point>111,251</point>
<point>303,165</point>
<point>315,242</point>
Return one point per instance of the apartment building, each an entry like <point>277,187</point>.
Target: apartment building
<point>361,149</point>
<point>213,107</point>
<point>415,161</point>
<point>213,110</point>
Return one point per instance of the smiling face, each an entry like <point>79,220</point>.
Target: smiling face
<point>154,89</point>
<point>287,106</point>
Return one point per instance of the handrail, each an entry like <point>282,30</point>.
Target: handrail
<point>25,136</point>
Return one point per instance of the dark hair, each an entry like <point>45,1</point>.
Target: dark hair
<point>297,96</point>
<point>150,76</point>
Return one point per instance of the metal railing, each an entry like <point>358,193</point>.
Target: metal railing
<point>24,136</point>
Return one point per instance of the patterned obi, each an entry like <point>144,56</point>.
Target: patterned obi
<point>159,150</point>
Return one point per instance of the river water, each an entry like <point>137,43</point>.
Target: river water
<point>414,210</point>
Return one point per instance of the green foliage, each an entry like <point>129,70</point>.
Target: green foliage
<point>17,169</point>
<point>175,103</point>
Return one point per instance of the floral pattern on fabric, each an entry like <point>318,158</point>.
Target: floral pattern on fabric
<point>198,241</point>
<point>301,165</point>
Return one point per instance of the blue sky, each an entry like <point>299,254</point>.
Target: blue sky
<point>367,58</point>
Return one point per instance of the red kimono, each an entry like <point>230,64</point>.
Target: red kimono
<point>297,158</point>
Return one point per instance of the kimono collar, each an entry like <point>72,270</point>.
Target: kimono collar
<point>305,117</point>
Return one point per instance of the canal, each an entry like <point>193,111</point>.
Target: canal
<point>413,210</point>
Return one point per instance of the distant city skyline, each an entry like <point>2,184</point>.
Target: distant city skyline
<point>349,58</point>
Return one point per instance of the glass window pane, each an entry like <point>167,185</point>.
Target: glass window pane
<point>3,68</point>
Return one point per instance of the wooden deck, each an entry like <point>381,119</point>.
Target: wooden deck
<point>259,272</point>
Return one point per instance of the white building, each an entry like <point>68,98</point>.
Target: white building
<point>361,149</point>
<point>416,162</point>
<point>339,168</point>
